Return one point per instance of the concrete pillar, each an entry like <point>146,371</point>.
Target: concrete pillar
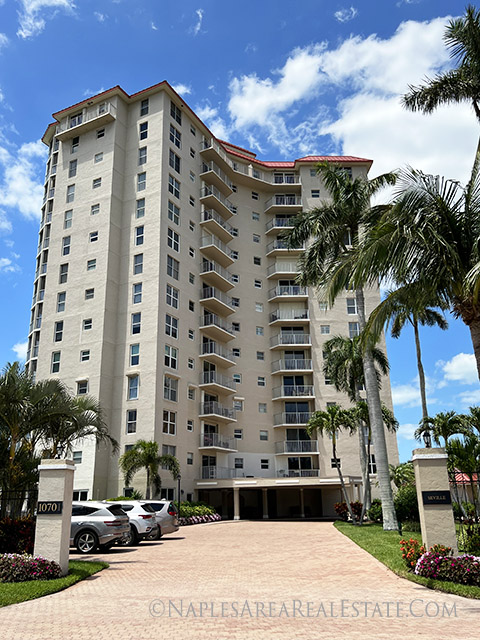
<point>236,503</point>
<point>54,511</point>
<point>302,504</point>
<point>265,503</point>
<point>434,500</point>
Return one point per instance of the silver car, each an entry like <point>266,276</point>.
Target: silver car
<point>97,525</point>
<point>142,520</point>
<point>165,515</point>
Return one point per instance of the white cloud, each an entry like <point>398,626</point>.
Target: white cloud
<point>469,398</point>
<point>182,89</point>
<point>198,25</point>
<point>32,16</point>
<point>461,368</point>
<point>3,40</point>
<point>344,15</point>
<point>153,26</point>
<point>101,17</point>
<point>5,224</point>
<point>251,48</point>
<point>21,350</point>
<point>406,431</point>
<point>89,92</point>
<point>7,266</point>
<point>408,395</point>
<point>214,122</point>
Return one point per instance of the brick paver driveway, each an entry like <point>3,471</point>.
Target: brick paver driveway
<point>264,573</point>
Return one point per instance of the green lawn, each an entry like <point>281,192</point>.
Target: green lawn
<point>13,592</point>
<point>385,546</point>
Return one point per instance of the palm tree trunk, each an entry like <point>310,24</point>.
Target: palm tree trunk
<point>367,498</point>
<point>342,482</point>
<point>147,492</point>
<point>421,373</point>
<point>474,327</point>
<point>376,422</point>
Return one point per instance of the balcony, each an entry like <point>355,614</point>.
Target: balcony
<point>217,441</point>
<point>216,300</point>
<point>216,328</point>
<point>292,316</point>
<point>215,353</point>
<point>280,366</point>
<point>216,411</point>
<point>298,473</point>
<point>216,250</point>
<point>284,202</point>
<point>282,270</point>
<point>210,196</point>
<point>212,174</point>
<point>214,382</point>
<point>211,150</point>
<point>214,473</point>
<point>215,275</point>
<point>251,175</point>
<point>288,293</point>
<point>279,224</point>
<point>280,247</point>
<point>287,419</point>
<point>282,340</point>
<point>296,446</point>
<point>214,223</point>
<point>93,118</point>
<point>294,392</point>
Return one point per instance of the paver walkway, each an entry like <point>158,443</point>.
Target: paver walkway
<point>265,573</point>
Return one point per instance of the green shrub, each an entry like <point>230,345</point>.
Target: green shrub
<point>341,510</point>
<point>17,536</point>
<point>406,504</point>
<point>15,567</point>
<point>469,538</point>
<point>375,511</point>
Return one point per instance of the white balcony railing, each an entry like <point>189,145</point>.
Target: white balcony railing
<point>296,446</point>
<point>291,391</point>
<point>218,441</point>
<point>291,365</point>
<point>292,417</point>
<point>213,377</point>
<point>286,339</point>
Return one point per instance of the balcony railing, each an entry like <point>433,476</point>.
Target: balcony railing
<point>213,377</point>
<point>212,292</point>
<point>210,190</point>
<point>210,214</point>
<point>212,144</point>
<point>283,223</point>
<point>208,239</point>
<point>287,290</point>
<point>290,391</point>
<point>211,473</point>
<point>218,441</point>
<point>213,348</point>
<point>95,112</point>
<point>289,339</point>
<point>283,200</point>
<point>291,365</point>
<point>212,319</point>
<point>215,408</point>
<point>207,266</point>
<point>289,314</point>
<point>296,446</point>
<point>292,417</point>
<point>298,473</point>
<point>282,245</point>
<point>282,267</point>
<point>211,166</point>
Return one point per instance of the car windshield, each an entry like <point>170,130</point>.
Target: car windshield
<point>116,510</point>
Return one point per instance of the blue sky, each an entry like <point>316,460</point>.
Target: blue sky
<point>284,79</point>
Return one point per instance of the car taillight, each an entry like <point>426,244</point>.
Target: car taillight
<point>112,523</point>
<point>145,517</point>
<point>172,512</point>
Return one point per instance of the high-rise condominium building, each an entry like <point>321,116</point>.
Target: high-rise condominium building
<point>163,288</point>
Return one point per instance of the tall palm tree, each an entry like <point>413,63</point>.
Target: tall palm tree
<point>442,425</point>
<point>330,422</point>
<point>144,455</point>
<point>332,232</point>
<point>408,305</point>
<point>343,366</point>
<point>402,474</point>
<point>462,37</point>
<point>465,456</point>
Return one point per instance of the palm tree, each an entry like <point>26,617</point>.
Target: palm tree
<point>462,37</point>
<point>465,456</point>
<point>144,455</point>
<point>408,304</point>
<point>330,422</point>
<point>403,474</point>
<point>343,366</point>
<point>442,425</point>
<point>332,231</point>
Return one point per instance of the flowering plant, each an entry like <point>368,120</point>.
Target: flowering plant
<point>213,517</point>
<point>411,551</point>
<point>461,569</point>
<point>16,567</point>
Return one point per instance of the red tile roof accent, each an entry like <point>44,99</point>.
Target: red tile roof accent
<point>463,477</point>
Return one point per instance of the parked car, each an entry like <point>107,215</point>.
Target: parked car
<point>142,520</point>
<point>97,525</point>
<point>166,517</point>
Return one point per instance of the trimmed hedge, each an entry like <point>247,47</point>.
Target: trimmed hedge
<point>16,567</point>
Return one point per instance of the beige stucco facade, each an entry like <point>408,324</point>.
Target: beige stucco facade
<point>195,222</point>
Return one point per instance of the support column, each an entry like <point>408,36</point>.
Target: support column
<point>265,503</point>
<point>236,503</point>
<point>54,511</point>
<point>302,504</point>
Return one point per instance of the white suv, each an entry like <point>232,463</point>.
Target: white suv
<point>142,520</point>
<point>165,515</point>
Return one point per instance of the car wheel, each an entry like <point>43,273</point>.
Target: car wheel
<point>86,542</point>
<point>131,538</point>
<point>156,535</point>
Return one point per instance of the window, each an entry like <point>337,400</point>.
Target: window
<point>237,377</point>
<point>175,113</point>
<point>131,421</point>
<point>173,240</point>
<point>144,107</point>
<point>58,333</point>
<point>94,209</point>
<point>77,457</point>
<point>255,216</point>
<point>238,434</point>
<point>313,172</point>
<point>191,305</point>
<point>96,182</point>
<point>134,355</point>
<point>193,131</point>
<point>189,458</point>
<point>98,157</point>
<point>372,464</point>
<point>254,195</point>
<point>315,193</point>
<point>235,278</point>
<point>171,326</point>
<point>55,368</point>
<point>175,136</point>
<point>89,294</point>
<point>140,208</point>
<point>173,212</point>
<point>235,302</point>
<point>132,387</point>
<point>323,306</point>
<point>67,219</point>
<point>100,133</point>
<point>263,435</point>
<point>258,306</point>
<point>256,238</point>
<point>136,322</point>
<point>172,296</point>
<point>85,355</point>
<point>353,329</point>
<point>137,292</point>
<point>264,463</point>
<point>192,176</point>
<point>93,236</point>
<point>234,254</point>
<point>238,463</point>
<point>66,241</point>
<point>143,130</point>
<point>260,355</point>
<point>191,363</point>
<point>191,393</point>
<point>87,324</point>
<point>174,186</point>
<point>91,264</point>
<point>234,232</point>
<point>189,425</point>
<point>142,155</point>
<point>324,329</point>
<point>261,381</point>
<point>262,407</point>
<point>257,260</point>
<point>137,264</point>
<point>257,284</point>
<point>351,306</point>
<point>171,356</point>
<point>82,388</point>
<point>75,144</point>
<point>191,225</point>
<point>236,327</point>
<point>174,161</point>
<point>259,331</point>
<point>191,201</point>
<point>61,298</point>
<point>335,462</point>
<point>63,274</point>
<point>139,235</point>
<point>169,422</point>
<point>191,252</point>
<point>236,352</point>
<point>141,181</point>
<point>191,334</point>
<point>173,267</point>
<point>192,152</point>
